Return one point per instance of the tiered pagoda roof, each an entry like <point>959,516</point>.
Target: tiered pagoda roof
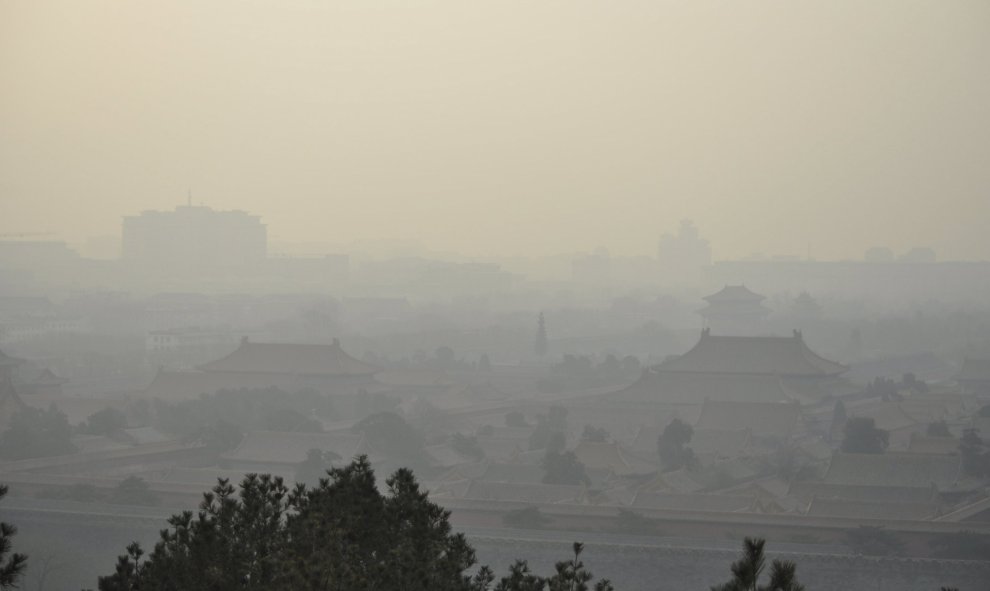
<point>734,293</point>
<point>734,301</point>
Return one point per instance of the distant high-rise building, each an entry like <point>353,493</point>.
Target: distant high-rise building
<point>194,237</point>
<point>682,257</point>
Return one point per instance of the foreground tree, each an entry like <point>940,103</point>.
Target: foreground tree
<point>572,576</point>
<point>11,564</point>
<point>342,534</point>
<point>747,570</point>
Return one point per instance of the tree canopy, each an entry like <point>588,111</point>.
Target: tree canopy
<point>747,570</point>
<point>11,564</point>
<point>342,534</point>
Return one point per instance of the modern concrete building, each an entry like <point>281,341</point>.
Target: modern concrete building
<point>194,238</point>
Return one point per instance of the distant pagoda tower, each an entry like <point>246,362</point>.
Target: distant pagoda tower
<point>735,311</point>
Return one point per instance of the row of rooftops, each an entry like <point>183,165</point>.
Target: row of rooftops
<point>293,359</point>
<point>755,369</point>
<point>891,486</point>
<point>784,356</point>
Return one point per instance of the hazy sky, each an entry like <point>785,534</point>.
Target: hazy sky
<point>507,126</point>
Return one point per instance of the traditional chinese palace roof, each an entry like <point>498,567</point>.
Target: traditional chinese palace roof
<point>734,293</point>
<point>781,356</point>
<point>291,359</point>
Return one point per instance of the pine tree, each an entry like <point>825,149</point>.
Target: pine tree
<point>343,534</point>
<point>747,570</point>
<point>12,566</point>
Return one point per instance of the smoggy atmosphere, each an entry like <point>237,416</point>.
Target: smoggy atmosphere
<point>504,296</point>
<point>565,125</point>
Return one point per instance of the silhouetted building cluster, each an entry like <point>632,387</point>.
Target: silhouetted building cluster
<point>194,237</point>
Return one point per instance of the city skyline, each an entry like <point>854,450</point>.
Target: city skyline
<point>111,245</point>
<point>574,127</point>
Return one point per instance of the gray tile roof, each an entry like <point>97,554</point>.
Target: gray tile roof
<point>783,356</point>
<point>291,359</point>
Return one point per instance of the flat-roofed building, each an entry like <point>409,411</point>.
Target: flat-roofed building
<point>193,238</point>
